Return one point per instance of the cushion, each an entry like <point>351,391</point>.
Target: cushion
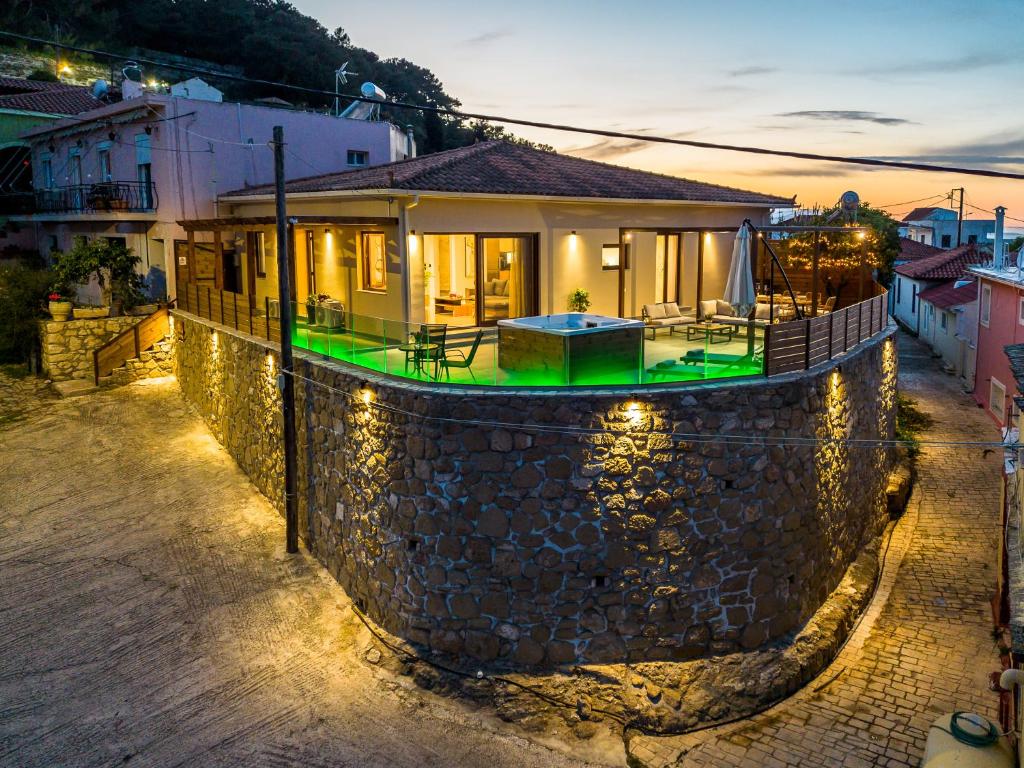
<point>724,308</point>
<point>671,309</point>
<point>708,308</point>
<point>655,311</point>
<point>501,287</point>
<point>762,312</point>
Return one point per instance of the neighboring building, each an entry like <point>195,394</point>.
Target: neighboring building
<point>914,277</point>
<point>938,226</point>
<point>949,323</point>
<point>1000,324</point>
<point>486,232</point>
<point>132,169</point>
<point>25,105</point>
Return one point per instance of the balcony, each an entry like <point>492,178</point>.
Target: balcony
<point>103,197</point>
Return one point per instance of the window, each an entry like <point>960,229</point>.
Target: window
<point>899,289</point>
<point>921,238</point>
<point>1020,310</point>
<point>985,310</point>
<point>256,244</point>
<point>944,322</point>
<point>926,313</point>
<point>374,260</point>
<point>47,171</point>
<point>997,399</point>
<point>913,300</point>
<point>947,240</point>
<point>144,172</point>
<point>104,164</point>
<point>358,157</point>
<point>610,256</point>
<point>75,167</point>
<point>972,238</point>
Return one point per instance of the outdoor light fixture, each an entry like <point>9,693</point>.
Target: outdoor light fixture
<point>628,236</point>
<point>634,413</point>
<point>366,396</point>
<point>412,241</point>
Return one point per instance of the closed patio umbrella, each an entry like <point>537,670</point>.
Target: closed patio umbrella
<point>739,288</point>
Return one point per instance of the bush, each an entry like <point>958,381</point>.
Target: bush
<point>111,264</point>
<point>22,303</point>
<point>579,300</point>
<point>43,74</point>
<point>910,422</point>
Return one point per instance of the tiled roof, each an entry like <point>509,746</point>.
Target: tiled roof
<point>945,265</point>
<point>948,295</point>
<point>1015,354</point>
<point>911,250</point>
<point>504,168</point>
<point>39,96</point>
<point>920,214</point>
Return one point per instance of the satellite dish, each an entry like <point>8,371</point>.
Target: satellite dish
<point>132,71</point>
<point>100,89</point>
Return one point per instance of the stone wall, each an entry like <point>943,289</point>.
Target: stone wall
<point>68,346</point>
<point>545,528</point>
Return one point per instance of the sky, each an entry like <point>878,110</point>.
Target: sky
<point>939,82</point>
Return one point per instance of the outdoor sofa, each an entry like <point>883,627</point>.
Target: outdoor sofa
<point>718,311</point>
<point>666,314</point>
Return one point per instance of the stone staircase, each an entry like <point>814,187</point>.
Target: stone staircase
<point>150,364</point>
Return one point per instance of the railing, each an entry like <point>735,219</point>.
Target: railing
<point>802,344</point>
<point>394,347</point>
<point>130,343</point>
<point>112,196</point>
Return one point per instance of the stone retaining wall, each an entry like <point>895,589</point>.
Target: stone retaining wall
<point>546,528</point>
<point>68,346</point>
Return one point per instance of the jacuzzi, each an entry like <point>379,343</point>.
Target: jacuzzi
<point>572,348</point>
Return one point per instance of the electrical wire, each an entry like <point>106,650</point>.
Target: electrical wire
<point>682,437</point>
<point>911,202</point>
<point>986,210</point>
<point>863,161</point>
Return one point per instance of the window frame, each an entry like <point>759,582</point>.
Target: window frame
<point>947,241</point>
<point>985,305</point>
<point>257,240</point>
<point>944,322</point>
<point>993,385</point>
<point>362,153</point>
<point>1020,310</point>
<point>366,282</point>
<point>606,266</point>
<point>46,168</point>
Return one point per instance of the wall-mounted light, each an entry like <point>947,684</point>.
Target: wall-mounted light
<point>366,395</point>
<point>573,241</point>
<point>707,238</point>
<point>628,236</point>
<point>634,413</point>
<point>413,242</point>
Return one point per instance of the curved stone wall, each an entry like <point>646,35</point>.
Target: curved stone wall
<point>547,528</point>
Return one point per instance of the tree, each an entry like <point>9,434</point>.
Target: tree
<point>22,300</point>
<point>109,263</point>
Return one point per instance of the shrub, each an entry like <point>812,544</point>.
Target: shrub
<point>579,300</point>
<point>910,422</point>
<point>23,294</point>
<point>111,264</point>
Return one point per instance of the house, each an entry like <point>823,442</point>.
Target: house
<point>921,274</point>
<point>25,105</point>
<point>133,168</point>
<point>1000,324</point>
<point>481,233</point>
<point>949,323</point>
<point>938,226</point>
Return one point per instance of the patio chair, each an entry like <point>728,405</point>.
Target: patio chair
<point>432,333</point>
<point>466,361</point>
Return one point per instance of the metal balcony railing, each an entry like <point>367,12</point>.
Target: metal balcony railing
<point>102,197</point>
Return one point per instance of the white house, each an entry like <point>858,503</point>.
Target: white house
<point>949,323</point>
<point>915,277</point>
<point>938,227</point>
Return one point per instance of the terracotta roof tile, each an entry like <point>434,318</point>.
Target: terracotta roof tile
<point>504,168</point>
<point>948,295</point>
<point>911,249</point>
<point>920,214</point>
<point>945,265</point>
<point>52,98</point>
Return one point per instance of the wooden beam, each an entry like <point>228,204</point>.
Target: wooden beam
<point>700,270</point>
<point>291,258</point>
<point>251,243</point>
<point>218,261</point>
<point>242,222</point>
<point>192,275</point>
<point>623,246</point>
<point>815,260</point>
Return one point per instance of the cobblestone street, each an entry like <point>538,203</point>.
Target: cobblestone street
<point>151,615</point>
<point>924,647</point>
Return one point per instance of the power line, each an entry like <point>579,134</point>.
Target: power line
<point>911,202</point>
<point>986,210</point>
<point>862,161</point>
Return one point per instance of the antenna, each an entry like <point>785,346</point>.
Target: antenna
<point>340,78</point>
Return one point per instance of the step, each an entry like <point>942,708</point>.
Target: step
<point>74,387</point>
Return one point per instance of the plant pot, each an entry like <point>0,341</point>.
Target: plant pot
<point>144,309</point>
<point>91,313</point>
<point>60,310</point>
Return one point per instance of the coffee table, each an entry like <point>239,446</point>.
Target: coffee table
<point>713,333</point>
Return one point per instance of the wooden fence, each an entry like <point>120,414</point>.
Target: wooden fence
<point>232,309</point>
<point>802,344</point>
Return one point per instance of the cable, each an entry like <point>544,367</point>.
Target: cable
<point>911,202</point>
<point>728,439</point>
<point>864,161</point>
<point>986,210</point>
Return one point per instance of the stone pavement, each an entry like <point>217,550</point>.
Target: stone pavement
<point>150,616</point>
<point>924,646</point>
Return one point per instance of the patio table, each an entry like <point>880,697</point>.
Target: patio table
<point>422,355</point>
<point>712,332</point>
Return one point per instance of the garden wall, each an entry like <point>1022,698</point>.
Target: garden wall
<point>548,528</point>
<point>68,345</point>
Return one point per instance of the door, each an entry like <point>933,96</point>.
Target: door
<point>506,274</point>
<point>666,273</point>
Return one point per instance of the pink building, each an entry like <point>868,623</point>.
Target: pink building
<point>134,168</point>
<point>1000,323</point>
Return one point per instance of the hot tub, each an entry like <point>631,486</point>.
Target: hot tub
<point>572,348</point>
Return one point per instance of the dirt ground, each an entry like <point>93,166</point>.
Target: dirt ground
<point>150,616</point>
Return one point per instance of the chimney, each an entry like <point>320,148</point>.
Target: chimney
<point>997,245</point>
<point>410,142</point>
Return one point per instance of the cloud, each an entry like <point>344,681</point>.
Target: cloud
<point>969,62</point>
<point>846,115</point>
<point>608,148</point>
<point>487,37</point>
<point>823,171</point>
<point>750,71</point>
<point>995,150</point>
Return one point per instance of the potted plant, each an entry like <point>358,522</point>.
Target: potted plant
<point>60,307</point>
<point>112,265</point>
<point>579,300</point>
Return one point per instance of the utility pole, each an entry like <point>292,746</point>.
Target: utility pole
<point>960,217</point>
<point>286,382</point>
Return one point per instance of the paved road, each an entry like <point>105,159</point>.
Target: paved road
<point>925,646</point>
<point>149,615</point>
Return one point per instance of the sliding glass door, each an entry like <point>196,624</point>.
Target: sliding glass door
<point>506,274</point>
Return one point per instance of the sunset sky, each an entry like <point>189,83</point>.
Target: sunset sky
<point>938,82</point>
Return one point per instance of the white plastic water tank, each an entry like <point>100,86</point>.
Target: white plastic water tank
<point>942,750</point>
